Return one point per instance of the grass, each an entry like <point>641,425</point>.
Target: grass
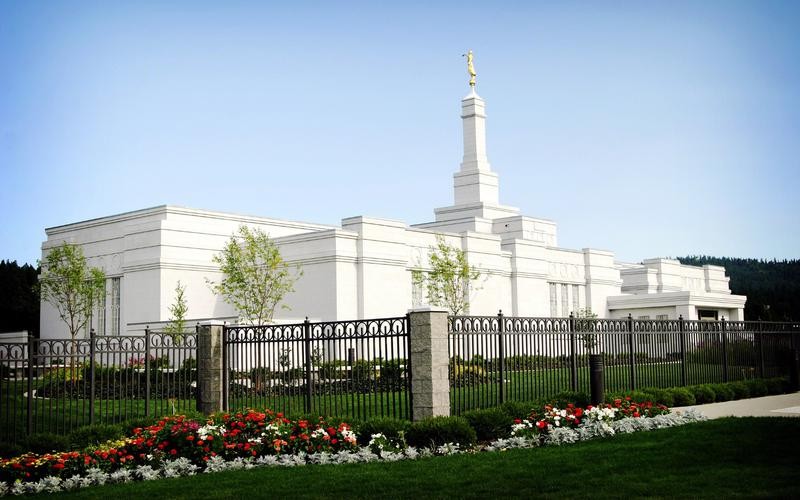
<point>752,457</point>
<point>61,416</point>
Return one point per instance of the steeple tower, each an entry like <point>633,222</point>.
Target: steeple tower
<point>475,187</point>
<point>475,182</point>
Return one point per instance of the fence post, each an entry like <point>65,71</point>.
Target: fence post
<point>91,375</point>
<point>501,348</point>
<point>761,350</point>
<point>29,403</point>
<point>683,349</point>
<point>596,379</point>
<point>147,387</point>
<point>573,353</point>
<point>226,371</point>
<point>409,378</point>
<point>210,350</point>
<point>724,352</point>
<point>307,346</point>
<point>429,363</point>
<point>632,359</point>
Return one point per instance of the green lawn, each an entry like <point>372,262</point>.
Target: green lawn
<point>61,416</point>
<point>531,385</point>
<point>752,457</point>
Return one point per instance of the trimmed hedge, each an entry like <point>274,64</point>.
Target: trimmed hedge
<point>682,396</point>
<point>392,428</point>
<point>440,430</point>
<point>490,423</point>
<point>91,435</point>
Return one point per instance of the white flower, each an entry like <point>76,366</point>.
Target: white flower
<point>72,482</point>
<point>121,476</point>
<point>146,473</point>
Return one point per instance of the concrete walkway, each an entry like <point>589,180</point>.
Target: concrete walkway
<point>785,405</point>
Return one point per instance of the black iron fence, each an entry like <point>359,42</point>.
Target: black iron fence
<point>497,358</point>
<point>57,385</point>
<point>344,368</point>
<point>361,369</point>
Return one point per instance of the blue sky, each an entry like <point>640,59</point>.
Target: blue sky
<point>646,128</point>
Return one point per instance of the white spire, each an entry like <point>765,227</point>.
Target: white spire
<point>475,182</point>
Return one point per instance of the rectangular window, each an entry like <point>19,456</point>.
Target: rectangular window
<point>564,300</point>
<point>662,317</point>
<point>101,315</point>
<point>115,305</point>
<point>576,303</point>
<point>417,289</point>
<point>707,315</point>
<point>553,300</point>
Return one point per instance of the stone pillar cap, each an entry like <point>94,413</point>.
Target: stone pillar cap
<point>428,309</point>
<point>212,322</point>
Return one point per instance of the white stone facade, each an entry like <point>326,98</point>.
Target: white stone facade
<point>363,268</point>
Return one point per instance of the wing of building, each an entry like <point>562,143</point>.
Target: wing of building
<point>363,269</point>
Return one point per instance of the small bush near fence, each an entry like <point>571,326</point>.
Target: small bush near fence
<point>438,431</point>
<point>705,393</point>
<point>91,435</point>
<point>491,423</point>
<point>392,428</point>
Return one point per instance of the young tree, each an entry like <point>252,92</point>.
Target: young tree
<point>449,283</point>
<point>177,321</point>
<point>71,286</point>
<point>584,322</point>
<point>255,278</point>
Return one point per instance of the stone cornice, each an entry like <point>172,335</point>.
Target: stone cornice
<point>675,298</point>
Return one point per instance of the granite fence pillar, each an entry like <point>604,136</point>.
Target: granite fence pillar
<point>209,367</point>
<point>429,361</point>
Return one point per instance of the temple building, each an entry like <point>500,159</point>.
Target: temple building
<point>363,268</point>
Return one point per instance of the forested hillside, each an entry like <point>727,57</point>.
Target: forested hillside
<point>19,301</point>
<point>772,287</point>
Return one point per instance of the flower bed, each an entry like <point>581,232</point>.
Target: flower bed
<point>177,446</point>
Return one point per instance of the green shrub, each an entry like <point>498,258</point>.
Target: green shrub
<point>465,375</point>
<point>392,374</point>
<point>562,399</point>
<point>636,396</point>
<point>659,396</point>
<point>489,423</point>
<point>757,388</point>
<point>703,394</point>
<point>517,409</point>
<point>392,428</point>
<point>740,390</point>
<point>363,370</point>
<point>134,423</point>
<point>681,396</point>
<point>776,385</point>
<point>90,435</point>
<point>333,370</point>
<point>8,450</point>
<point>46,442</point>
<point>437,431</point>
<point>722,392</point>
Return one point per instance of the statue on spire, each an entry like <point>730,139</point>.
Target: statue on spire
<point>470,68</point>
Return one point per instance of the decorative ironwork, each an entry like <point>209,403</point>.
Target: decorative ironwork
<point>347,368</point>
<point>56,385</point>
<point>498,358</point>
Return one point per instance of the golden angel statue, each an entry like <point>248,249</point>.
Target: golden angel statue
<point>470,68</point>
